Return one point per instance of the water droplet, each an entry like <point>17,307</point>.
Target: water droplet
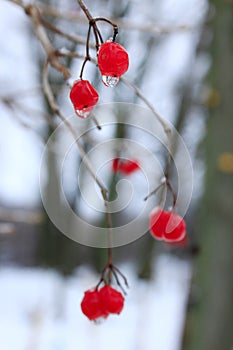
<point>110,81</point>
<point>83,113</point>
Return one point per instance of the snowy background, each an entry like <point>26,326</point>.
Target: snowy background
<point>40,310</point>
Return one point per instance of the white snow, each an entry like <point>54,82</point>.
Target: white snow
<point>40,310</point>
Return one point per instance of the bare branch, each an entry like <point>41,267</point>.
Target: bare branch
<point>42,36</point>
<point>33,12</point>
<point>75,39</point>
<point>125,24</point>
<point>15,107</point>
<point>53,104</point>
<point>163,123</point>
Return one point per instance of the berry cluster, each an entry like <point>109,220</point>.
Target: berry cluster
<point>167,226</point>
<point>113,62</point>
<point>100,303</point>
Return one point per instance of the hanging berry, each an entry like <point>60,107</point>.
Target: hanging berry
<point>112,300</point>
<point>98,304</point>
<point>166,225</point>
<point>91,305</point>
<point>113,62</point>
<point>125,167</point>
<point>84,97</point>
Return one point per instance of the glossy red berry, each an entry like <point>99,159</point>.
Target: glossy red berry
<point>91,305</point>
<point>113,61</point>
<point>84,97</point>
<point>129,167</point>
<point>112,300</point>
<point>166,225</point>
<point>125,167</point>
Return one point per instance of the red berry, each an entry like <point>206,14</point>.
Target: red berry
<point>113,61</point>
<point>91,305</point>
<point>115,164</point>
<point>166,225</point>
<point>129,167</point>
<point>157,223</point>
<point>112,300</point>
<point>84,97</point>
<point>175,228</point>
<point>125,167</point>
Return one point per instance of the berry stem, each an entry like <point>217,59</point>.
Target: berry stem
<point>109,226</point>
<point>83,65</point>
<point>122,276</point>
<point>92,24</point>
<point>106,276</point>
<point>169,186</point>
<point>167,131</point>
<point>154,191</point>
<point>114,25</point>
<point>118,282</point>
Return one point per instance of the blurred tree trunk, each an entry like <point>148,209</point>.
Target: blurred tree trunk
<point>210,311</point>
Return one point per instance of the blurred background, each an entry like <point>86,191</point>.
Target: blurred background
<point>180,297</point>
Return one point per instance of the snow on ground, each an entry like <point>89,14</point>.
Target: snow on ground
<point>40,310</point>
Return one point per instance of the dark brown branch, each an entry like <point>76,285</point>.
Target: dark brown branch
<point>53,104</point>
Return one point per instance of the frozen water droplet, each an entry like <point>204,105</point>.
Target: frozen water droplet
<point>110,81</point>
<point>84,113</point>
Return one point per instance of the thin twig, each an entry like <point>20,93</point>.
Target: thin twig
<point>121,274</point>
<point>33,12</point>
<point>114,25</point>
<point>42,36</point>
<point>154,191</point>
<point>92,23</point>
<point>160,119</point>
<point>109,226</point>
<point>53,104</point>
<point>123,23</point>
<point>118,281</point>
<point>75,39</point>
<point>174,197</point>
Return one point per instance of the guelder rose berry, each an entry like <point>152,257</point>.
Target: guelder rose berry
<point>125,167</point>
<point>113,61</point>
<point>91,305</point>
<point>166,225</point>
<point>84,97</point>
<point>112,300</point>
